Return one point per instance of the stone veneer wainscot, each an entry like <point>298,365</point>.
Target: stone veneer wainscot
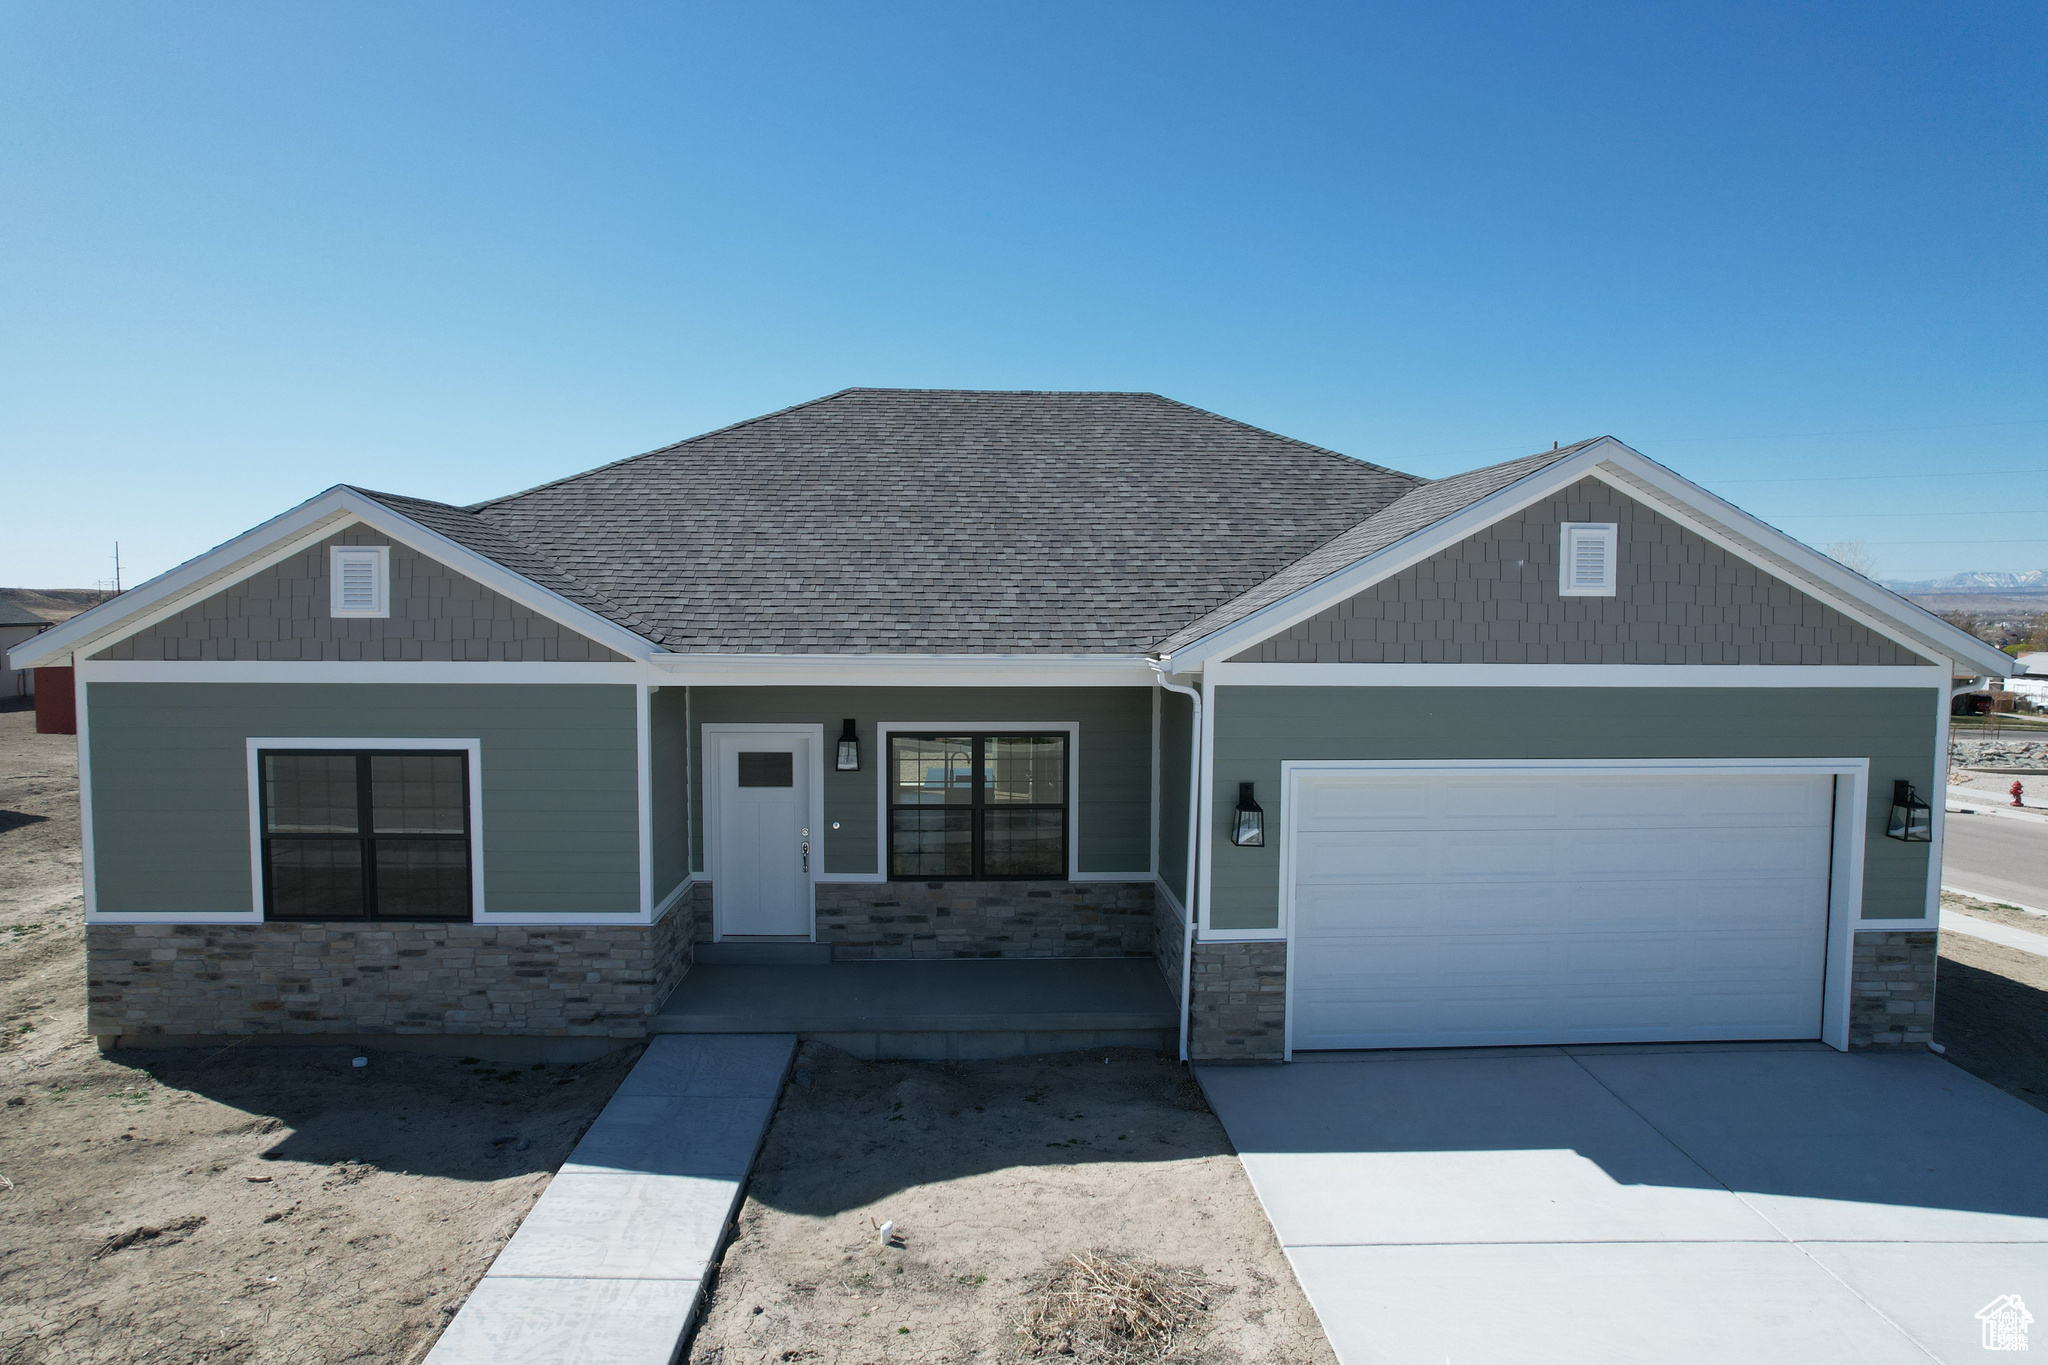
<point>1891,989</point>
<point>381,977</point>
<point>1240,1002</point>
<point>938,920</point>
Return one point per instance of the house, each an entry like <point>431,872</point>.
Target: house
<point>17,624</point>
<point>1565,749</point>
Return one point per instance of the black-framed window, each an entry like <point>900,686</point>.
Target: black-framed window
<point>977,806</point>
<point>365,834</point>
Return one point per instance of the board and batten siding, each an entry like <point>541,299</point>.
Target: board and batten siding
<point>436,614</point>
<point>1257,728</point>
<point>1492,598</point>
<point>170,787</point>
<point>1112,808</point>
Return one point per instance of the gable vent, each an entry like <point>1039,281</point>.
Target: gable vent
<point>361,577</point>
<point>1586,559</point>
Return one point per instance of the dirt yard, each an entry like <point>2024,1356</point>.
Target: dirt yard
<point>1991,1004</point>
<point>250,1205</point>
<point>994,1173</point>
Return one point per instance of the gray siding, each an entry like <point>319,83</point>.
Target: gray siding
<point>1493,599</point>
<point>1113,819</point>
<point>436,614</point>
<point>668,740</point>
<point>170,791</point>
<point>1258,727</point>
<point>1176,787</point>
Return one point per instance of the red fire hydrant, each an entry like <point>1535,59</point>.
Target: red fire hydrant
<point>2017,791</point>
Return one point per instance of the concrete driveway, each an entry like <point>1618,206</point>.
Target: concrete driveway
<point>1701,1203</point>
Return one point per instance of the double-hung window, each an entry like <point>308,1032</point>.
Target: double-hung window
<point>368,834</point>
<point>977,806</point>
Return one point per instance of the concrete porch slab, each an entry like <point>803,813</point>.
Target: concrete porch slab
<point>1029,995</point>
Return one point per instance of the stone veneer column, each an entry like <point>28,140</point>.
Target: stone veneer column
<point>1891,989</point>
<point>1240,1002</point>
<point>395,977</point>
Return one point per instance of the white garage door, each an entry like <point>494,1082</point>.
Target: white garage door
<point>1457,911</point>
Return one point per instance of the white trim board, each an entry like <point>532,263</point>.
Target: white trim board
<point>1845,883</point>
<point>1636,476</point>
<point>902,670</point>
<point>384,671</point>
<point>1575,675</point>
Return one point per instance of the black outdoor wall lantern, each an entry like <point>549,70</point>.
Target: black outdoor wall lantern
<point>1249,829</point>
<point>849,749</point>
<point>1912,819</point>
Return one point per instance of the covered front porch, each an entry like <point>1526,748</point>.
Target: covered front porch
<point>928,1010</point>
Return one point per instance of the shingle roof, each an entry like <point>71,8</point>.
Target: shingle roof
<point>934,521</point>
<point>14,614</point>
<point>1422,507</point>
<point>955,522</point>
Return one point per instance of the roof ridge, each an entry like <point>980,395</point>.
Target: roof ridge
<point>663,450</point>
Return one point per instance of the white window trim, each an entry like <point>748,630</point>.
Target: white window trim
<point>474,748</point>
<point>1607,531</point>
<point>1070,728</point>
<point>1845,882</point>
<point>380,555</point>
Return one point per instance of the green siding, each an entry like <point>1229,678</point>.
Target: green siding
<point>1176,787</point>
<point>1114,817</point>
<point>668,736</point>
<point>1258,727</point>
<point>170,798</point>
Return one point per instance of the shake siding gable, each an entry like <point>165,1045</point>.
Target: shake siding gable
<point>437,615</point>
<point>1493,599</point>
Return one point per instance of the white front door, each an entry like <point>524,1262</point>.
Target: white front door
<point>766,848</point>
<point>1461,911</point>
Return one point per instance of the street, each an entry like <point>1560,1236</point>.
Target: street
<point>1997,858</point>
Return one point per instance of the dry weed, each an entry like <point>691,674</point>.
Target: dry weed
<point>1105,1309</point>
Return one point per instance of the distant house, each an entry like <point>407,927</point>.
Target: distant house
<point>16,625</point>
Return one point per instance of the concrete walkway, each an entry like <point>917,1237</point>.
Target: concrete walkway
<point>1955,922</point>
<point>1705,1203</point>
<point>607,1268</point>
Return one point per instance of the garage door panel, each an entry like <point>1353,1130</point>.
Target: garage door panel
<point>1594,909</point>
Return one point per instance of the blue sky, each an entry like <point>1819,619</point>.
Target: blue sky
<point>248,251</point>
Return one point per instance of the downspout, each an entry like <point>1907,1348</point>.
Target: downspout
<point>1187,947</point>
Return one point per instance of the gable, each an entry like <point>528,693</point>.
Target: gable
<point>1493,598</point>
<point>281,613</point>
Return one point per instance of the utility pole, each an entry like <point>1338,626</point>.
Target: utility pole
<point>117,568</point>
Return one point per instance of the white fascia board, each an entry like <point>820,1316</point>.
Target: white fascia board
<point>1850,593</point>
<point>1575,675</point>
<point>1639,477</point>
<point>1411,549</point>
<point>276,539</point>
<point>903,670</point>
<point>280,538</point>
<point>354,671</point>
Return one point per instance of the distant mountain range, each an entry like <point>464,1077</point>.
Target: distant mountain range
<point>2030,582</point>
